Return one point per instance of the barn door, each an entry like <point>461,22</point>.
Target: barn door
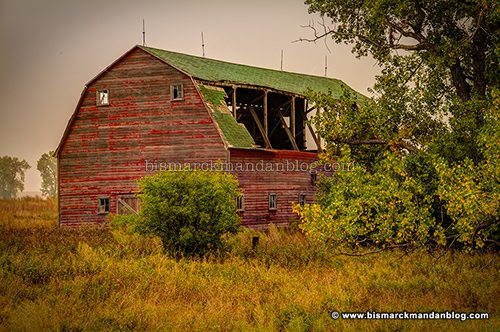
<point>127,204</point>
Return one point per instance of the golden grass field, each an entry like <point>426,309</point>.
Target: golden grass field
<point>88,279</point>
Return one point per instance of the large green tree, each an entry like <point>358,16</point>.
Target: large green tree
<point>12,176</point>
<point>433,109</point>
<point>47,166</point>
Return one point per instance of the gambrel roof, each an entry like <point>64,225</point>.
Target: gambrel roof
<point>227,73</point>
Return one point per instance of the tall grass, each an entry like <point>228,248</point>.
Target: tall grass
<point>91,279</point>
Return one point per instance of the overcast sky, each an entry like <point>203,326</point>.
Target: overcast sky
<point>51,48</point>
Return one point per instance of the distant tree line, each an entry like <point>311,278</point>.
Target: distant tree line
<point>12,175</point>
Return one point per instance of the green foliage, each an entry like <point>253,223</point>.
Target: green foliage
<point>405,117</point>
<point>189,210</point>
<point>471,191</point>
<point>12,176</point>
<point>47,166</point>
<point>384,208</point>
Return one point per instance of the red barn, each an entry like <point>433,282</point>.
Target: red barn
<point>152,109</point>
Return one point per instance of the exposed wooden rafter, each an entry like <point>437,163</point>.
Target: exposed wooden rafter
<point>288,131</point>
<point>259,125</point>
<point>314,136</point>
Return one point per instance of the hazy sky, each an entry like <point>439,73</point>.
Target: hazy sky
<point>52,48</point>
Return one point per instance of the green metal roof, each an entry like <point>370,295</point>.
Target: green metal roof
<point>235,133</point>
<point>224,72</point>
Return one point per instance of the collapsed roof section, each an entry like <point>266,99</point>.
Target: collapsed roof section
<point>257,107</point>
<point>235,134</point>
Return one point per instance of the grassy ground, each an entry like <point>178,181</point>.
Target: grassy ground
<point>98,279</point>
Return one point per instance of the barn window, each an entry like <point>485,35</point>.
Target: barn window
<point>273,201</point>
<point>102,97</point>
<point>176,92</point>
<point>314,177</point>
<point>302,199</point>
<point>103,205</point>
<point>240,203</point>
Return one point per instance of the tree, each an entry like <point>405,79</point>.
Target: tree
<point>47,166</point>
<point>431,110</point>
<point>189,210</point>
<point>12,176</point>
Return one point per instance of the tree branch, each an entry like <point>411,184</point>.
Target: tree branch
<point>460,81</point>
<point>375,251</point>
<point>376,141</point>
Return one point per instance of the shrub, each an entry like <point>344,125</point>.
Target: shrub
<point>189,210</point>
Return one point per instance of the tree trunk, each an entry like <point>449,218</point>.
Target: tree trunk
<point>459,81</point>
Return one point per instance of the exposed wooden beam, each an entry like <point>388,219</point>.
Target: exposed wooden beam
<point>256,99</point>
<point>266,123</point>
<point>288,132</point>
<point>233,101</point>
<point>259,125</point>
<point>310,110</point>
<point>292,118</point>
<point>314,136</point>
<point>286,103</point>
<point>250,87</point>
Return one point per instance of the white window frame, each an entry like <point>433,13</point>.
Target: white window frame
<point>103,208</point>
<point>240,203</point>
<point>180,88</point>
<point>302,199</point>
<point>102,92</point>
<point>273,203</point>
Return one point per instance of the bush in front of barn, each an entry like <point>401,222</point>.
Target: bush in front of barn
<point>189,210</point>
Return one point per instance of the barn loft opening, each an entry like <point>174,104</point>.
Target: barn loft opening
<point>274,120</point>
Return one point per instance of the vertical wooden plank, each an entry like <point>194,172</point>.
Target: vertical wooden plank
<point>266,124</point>
<point>234,102</point>
<point>304,121</point>
<point>292,117</point>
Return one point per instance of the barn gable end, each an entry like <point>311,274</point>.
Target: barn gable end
<point>106,148</point>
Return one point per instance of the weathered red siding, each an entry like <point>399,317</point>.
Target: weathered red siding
<point>288,178</point>
<point>106,147</point>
